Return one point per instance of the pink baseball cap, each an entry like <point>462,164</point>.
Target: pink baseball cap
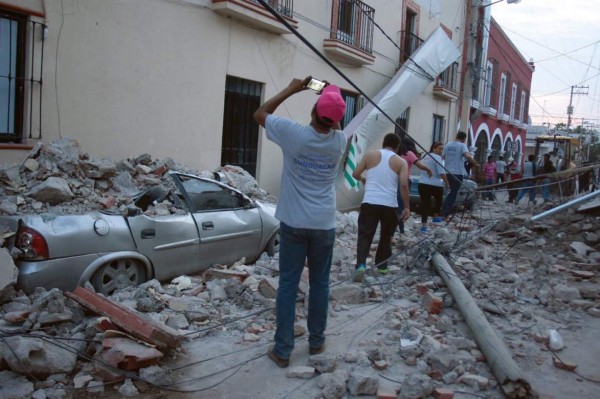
<point>330,105</point>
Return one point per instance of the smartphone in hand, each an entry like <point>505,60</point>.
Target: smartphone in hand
<point>316,85</point>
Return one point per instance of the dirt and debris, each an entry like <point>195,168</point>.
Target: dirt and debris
<point>395,336</point>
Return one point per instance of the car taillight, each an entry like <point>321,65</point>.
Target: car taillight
<point>32,244</point>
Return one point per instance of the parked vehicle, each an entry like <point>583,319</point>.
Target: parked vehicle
<point>467,196</point>
<point>215,224</point>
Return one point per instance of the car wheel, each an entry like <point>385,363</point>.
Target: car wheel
<point>273,244</point>
<point>118,274</point>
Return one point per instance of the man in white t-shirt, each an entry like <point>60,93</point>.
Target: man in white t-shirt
<point>454,154</point>
<point>306,210</point>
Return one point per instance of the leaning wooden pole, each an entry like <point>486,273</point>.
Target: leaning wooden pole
<point>505,369</point>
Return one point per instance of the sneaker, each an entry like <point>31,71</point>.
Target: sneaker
<point>423,230</point>
<point>279,361</point>
<point>359,274</point>
<point>316,351</point>
<point>437,219</point>
<point>383,270</point>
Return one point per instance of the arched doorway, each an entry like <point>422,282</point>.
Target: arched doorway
<point>482,145</point>
<point>496,146</point>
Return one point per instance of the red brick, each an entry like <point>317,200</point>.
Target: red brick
<point>386,393</point>
<point>442,393</point>
<point>421,289</point>
<point>432,303</point>
<point>127,319</point>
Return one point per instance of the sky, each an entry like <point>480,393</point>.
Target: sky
<point>563,39</point>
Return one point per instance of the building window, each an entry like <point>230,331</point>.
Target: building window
<point>21,50</point>
<point>522,108</point>
<point>438,128</point>
<point>352,23</point>
<point>401,128</point>
<point>489,75</point>
<point>502,94</point>
<point>513,100</point>
<point>239,145</point>
<point>354,104</point>
<point>411,41</point>
<point>448,78</point>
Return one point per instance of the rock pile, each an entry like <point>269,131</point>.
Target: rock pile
<point>61,178</point>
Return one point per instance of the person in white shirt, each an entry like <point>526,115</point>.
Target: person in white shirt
<point>432,185</point>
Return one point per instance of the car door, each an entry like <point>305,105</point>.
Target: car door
<point>229,225</point>
<point>171,243</point>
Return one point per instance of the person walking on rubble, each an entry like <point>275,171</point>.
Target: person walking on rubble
<point>528,186</point>
<point>432,185</point>
<point>306,210</point>
<point>383,171</point>
<point>547,167</point>
<point>490,172</point>
<point>408,152</point>
<point>514,172</point>
<point>454,155</point>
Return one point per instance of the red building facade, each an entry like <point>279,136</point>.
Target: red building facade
<point>500,101</point>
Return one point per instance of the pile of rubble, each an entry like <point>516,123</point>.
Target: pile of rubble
<point>61,178</point>
<point>532,280</point>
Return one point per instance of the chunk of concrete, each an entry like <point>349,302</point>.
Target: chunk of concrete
<point>348,293</point>
<point>14,386</point>
<point>53,190</point>
<point>416,386</point>
<point>8,274</point>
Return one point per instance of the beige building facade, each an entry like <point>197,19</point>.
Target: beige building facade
<point>181,78</point>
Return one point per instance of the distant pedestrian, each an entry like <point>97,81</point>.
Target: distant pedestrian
<point>408,152</point>
<point>529,170</point>
<point>501,170</point>
<point>306,210</point>
<point>547,167</point>
<point>514,173</point>
<point>454,154</point>
<point>490,175</point>
<point>432,186</point>
<point>383,171</point>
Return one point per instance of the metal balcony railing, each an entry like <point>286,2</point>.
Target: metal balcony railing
<point>352,23</point>
<point>283,7</point>
<point>411,43</point>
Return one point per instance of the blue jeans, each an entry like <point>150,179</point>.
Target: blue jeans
<point>546,189</point>
<point>531,190</point>
<point>296,247</point>
<point>455,183</point>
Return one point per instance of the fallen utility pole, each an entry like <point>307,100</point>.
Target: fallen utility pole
<point>497,355</point>
<point>566,206</point>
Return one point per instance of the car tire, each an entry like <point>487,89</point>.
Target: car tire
<point>273,244</point>
<point>118,274</point>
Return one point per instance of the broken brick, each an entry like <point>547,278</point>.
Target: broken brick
<point>386,393</point>
<point>442,393</point>
<point>223,274</point>
<point>432,303</point>
<point>127,319</point>
<point>127,354</point>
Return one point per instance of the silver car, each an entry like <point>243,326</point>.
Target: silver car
<point>216,224</point>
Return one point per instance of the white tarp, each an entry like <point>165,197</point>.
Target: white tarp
<point>436,54</point>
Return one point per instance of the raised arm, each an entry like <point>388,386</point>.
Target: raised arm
<point>269,106</point>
